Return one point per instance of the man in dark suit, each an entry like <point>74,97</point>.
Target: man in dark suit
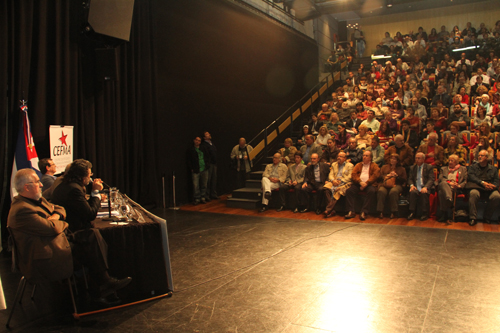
<point>441,95</point>
<point>452,178</point>
<point>294,180</point>
<point>315,123</point>
<point>48,169</point>
<point>421,183</point>
<point>353,123</point>
<point>364,178</point>
<point>41,237</point>
<point>316,175</point>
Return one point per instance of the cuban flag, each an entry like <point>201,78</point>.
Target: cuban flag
<point>25,156</point>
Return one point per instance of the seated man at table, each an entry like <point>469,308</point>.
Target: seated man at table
<point>274,175</point>
<point>294,180</point>
<point>421,181</point>
<point>316,175</point>
<point>484,179</point>
<point>452,178</point>
<point>364,178</point>
<point>41,234</point>
<point>71,195</point>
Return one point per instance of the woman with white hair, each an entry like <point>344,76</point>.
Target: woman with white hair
<point>484,102</point>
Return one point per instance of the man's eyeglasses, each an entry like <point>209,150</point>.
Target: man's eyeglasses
<point>38,182</point>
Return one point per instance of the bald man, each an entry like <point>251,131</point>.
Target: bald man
<point>316,175</point>
<point>273,177</point>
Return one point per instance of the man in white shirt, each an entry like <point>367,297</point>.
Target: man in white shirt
<point>371,122</point>
<point>272,178</point>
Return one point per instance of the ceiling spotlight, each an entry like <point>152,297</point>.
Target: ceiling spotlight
<point>389,3</point>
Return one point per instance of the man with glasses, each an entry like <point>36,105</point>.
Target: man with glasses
<point>48,169</point>
<point>484,176</point>
<point>48,245</point>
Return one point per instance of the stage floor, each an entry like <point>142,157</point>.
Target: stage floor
<point>236,273</point>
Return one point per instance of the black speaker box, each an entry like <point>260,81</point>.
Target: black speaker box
<point>107,64</point>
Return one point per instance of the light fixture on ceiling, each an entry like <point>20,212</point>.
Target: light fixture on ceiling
<point>352,25</point>
<point>389,3</point>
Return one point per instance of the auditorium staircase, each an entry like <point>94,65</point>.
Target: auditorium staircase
<point>288,125</point>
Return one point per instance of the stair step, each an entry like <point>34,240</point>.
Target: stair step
<point>247,193</point>
<point>254,183</point>
<point>242,203</point>
<point>256,175</point>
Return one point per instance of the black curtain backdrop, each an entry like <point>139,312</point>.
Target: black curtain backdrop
<point>190,66</point>
<point>45,58</point>
<point>226,70</point>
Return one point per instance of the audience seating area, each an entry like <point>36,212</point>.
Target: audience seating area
<point>425,83</point>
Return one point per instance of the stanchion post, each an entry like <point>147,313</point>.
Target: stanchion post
<point>173,190</point>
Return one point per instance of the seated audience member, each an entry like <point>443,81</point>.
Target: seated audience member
<point>348,106</point>
<point>273,177</point>
<point>483,144</point>
<point>462,91</point>
<point>480,76</point>
<point>315,123</point>
<point>330,153</point>
<point>361,111</point>
<point>377,151</point>
<point>371,122</point>
<point>353,153</point>
<point>363,138</point>
<point>198,161</point>
<point>397,110</point>
<point>454,148</point>
<point>364,178</point>
<point>339,181</point>
<point>332,124</point>
<point>479,87</point>
<point>452,178</point>
<point>48,169</point>
<point>302,139</point>
<point>316,175</point>
<point>342,137</point>
<point>310,148</point>
<point>432,151</point>
<point>353,123</point>
<point>443,111</point>
<point>323,137</point>
<point>485,177</point>
<point>39,230</point>
<point>404,151</point>
<point>421,181</point>
<point>392,123</point>
<point>393,177</point>
<point>484,102</point>
<point>459,119</point>
<point>429,128</point>
<point>418,109</point>
<point>288,152</point>
<point>410,137</point>
<point>413,120</point>
<point>294,180</point>
<point>457,100</point>
<point>441,95</point>
<point>439,121</point>
<point>481,117</point>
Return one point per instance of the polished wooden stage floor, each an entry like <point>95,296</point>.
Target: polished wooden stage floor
<point>219,206</point>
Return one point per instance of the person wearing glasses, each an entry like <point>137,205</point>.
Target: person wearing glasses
<point>48,169</point>
<point>47,246</point>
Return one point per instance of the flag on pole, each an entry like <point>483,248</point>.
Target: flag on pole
<point>25,155</point>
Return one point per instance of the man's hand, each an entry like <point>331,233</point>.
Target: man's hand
<point>304,185</point>
<point>54,217</point>
<point>488,186</point>
<point>274,180</point>
<point>336,182</point>
<point>97,185</point>
<point>423,190</point>
<point>294,183</point>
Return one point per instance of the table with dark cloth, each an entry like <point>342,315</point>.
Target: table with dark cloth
<point>137,250</point>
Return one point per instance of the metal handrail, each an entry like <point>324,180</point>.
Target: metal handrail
<point>272,131</point>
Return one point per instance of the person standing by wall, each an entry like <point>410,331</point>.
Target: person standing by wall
<point>198,162</point>
<point>212,165</point>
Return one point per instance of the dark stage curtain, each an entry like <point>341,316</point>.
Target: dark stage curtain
<point>45,58</point>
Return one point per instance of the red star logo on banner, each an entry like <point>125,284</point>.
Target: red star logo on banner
<point>63,139</point>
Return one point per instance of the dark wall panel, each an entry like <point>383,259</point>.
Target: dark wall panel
<point>223,69</point>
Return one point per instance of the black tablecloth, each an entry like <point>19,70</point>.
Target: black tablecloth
<point>136,250</point>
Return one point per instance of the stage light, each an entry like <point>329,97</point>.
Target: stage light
<point>466,48</point>
<point>389,3</point>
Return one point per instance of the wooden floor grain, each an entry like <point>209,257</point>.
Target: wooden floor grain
<point>219,206</point>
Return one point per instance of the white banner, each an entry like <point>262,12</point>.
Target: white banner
<point>61,146</point>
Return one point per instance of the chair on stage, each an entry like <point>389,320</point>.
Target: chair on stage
<point>16,257</point>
